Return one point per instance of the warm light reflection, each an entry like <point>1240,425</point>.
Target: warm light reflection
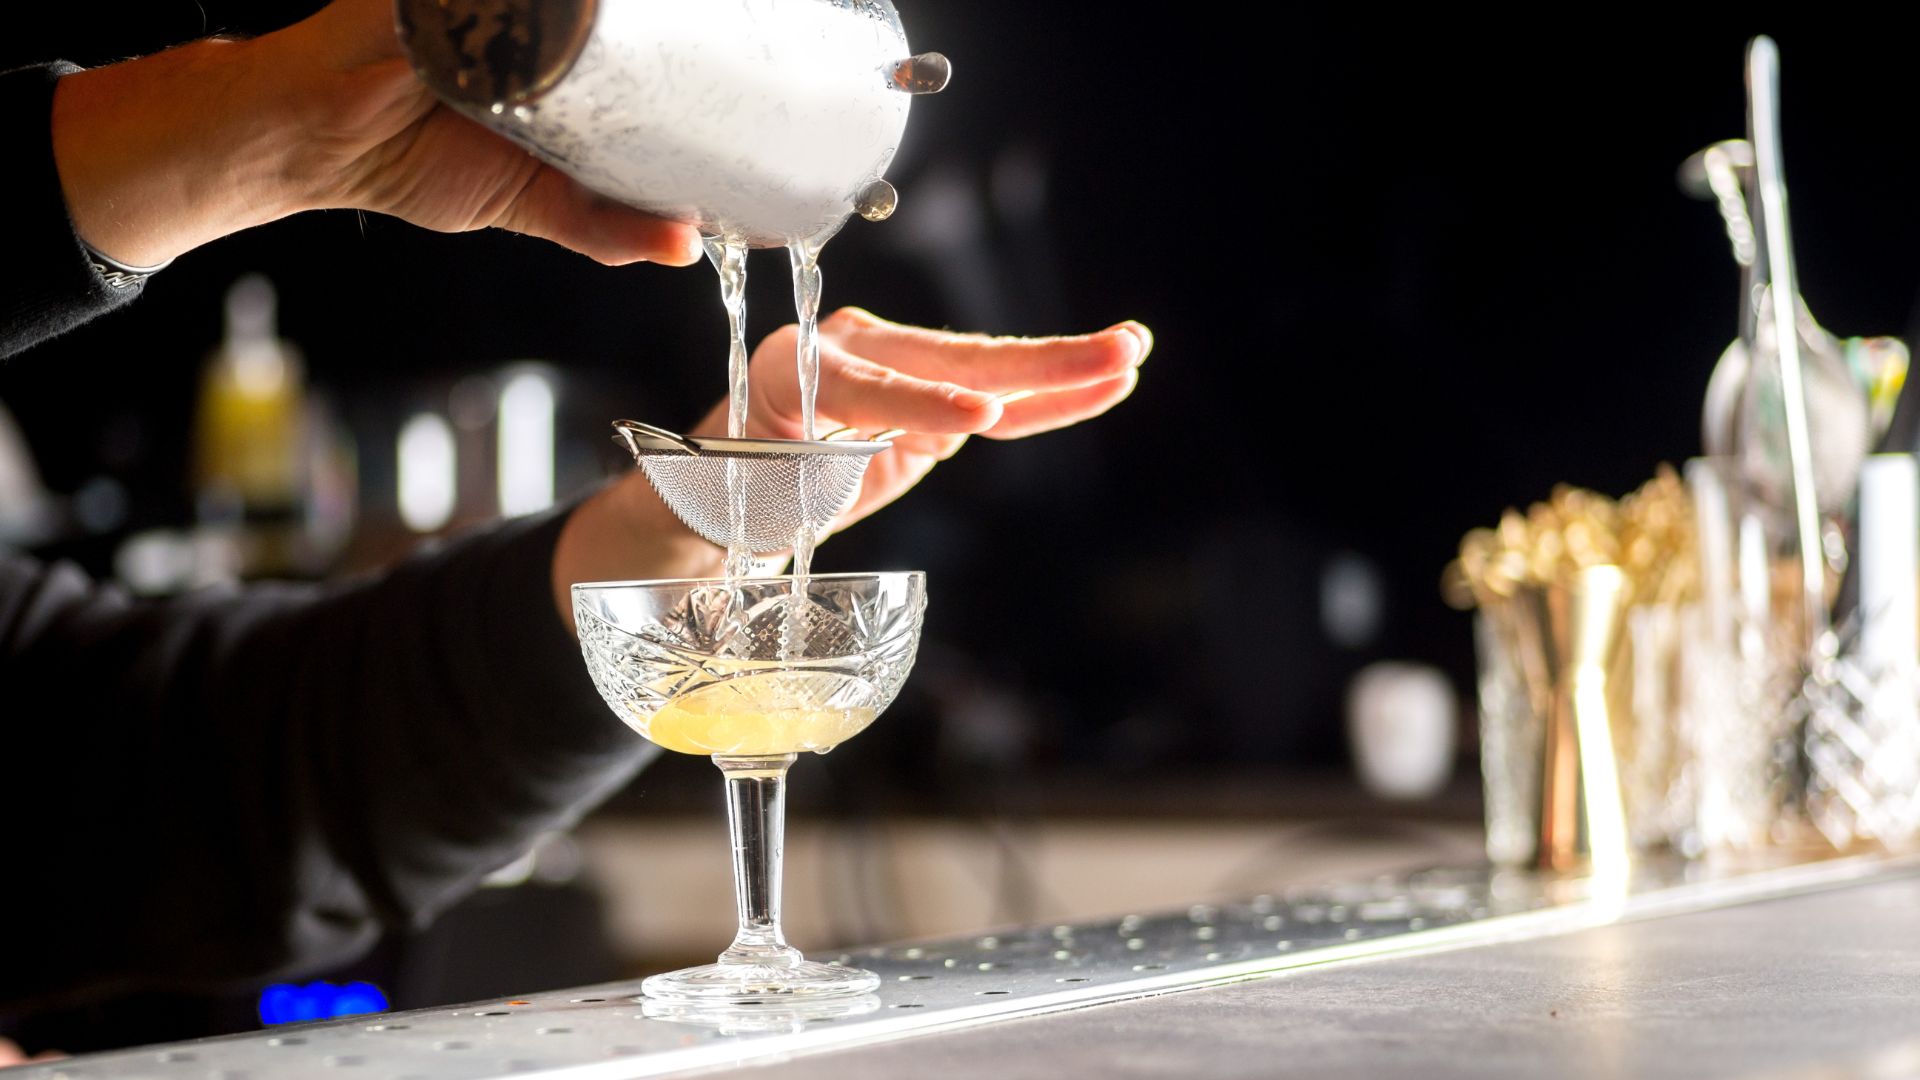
<point>526,443</point>
<point>426,472</point>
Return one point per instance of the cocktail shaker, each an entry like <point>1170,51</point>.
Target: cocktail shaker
<point>763,121</point>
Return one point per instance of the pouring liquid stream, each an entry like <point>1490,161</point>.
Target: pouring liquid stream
<point>729,258</point>
<point>804,255</point>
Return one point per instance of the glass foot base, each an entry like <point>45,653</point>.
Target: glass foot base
<point>739,1019</point>
<point>759,984</point>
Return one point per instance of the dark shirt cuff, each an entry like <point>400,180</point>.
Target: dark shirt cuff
<point>48,285</point>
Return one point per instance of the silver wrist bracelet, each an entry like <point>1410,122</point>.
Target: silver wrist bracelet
<point>116,273</point>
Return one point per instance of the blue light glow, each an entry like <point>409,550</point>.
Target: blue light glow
<point>288,1003</point>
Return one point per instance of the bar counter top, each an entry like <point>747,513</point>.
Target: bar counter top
<point>1673,970</point>
<point>1822,985</point>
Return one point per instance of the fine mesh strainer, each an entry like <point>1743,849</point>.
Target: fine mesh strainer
<point>784,483</point>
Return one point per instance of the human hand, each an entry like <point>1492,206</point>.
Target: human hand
<point>940,386</point>
<point>11,1054</point>
<point>379,140</point>
<point>162,154</point>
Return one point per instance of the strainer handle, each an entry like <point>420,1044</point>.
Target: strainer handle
<point>625,430</point>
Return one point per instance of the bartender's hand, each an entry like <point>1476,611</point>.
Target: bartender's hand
<point>11,1054</point>
<point>162,154</point>
<point>874,375</point>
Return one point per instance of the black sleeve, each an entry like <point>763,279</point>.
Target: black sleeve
<point>47,284</point>
<point>228,786</point>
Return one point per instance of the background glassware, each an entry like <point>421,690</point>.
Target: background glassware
<point>1582,608</point>
<point>1862,726</point>
<point>1744,674</point>
<point>1512,727</point>
<point>753,671</point>
<point>1807,753</point>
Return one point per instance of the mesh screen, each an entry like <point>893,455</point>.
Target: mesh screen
<point>780,492</point>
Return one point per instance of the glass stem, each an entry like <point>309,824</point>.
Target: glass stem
<point>757,819</point>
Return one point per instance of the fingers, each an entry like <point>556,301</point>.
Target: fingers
<point>857,392</point>
<point>999,364</point>
<point>937,447</point>
<point>554,207</point>
<point>865,393</point>
<point>1046,412</point>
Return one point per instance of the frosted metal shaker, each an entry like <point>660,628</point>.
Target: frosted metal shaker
<point>765,121</point>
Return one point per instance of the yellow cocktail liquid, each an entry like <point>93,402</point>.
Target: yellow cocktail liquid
<point>786,712</point>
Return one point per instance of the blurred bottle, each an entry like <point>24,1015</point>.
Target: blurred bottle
<point>272,474</point>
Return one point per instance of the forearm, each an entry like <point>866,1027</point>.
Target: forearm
<point>226,787</point>
<point>626,533</point>
<point>162,154</point>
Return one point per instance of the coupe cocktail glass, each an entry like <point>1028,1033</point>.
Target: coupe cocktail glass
<point>752,672</point>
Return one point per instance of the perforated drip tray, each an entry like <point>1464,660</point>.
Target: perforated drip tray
<point>608,1031</point>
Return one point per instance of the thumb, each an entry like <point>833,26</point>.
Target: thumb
<point>555,207</point>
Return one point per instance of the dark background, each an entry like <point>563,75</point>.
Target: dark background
<point>1403,272</point>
